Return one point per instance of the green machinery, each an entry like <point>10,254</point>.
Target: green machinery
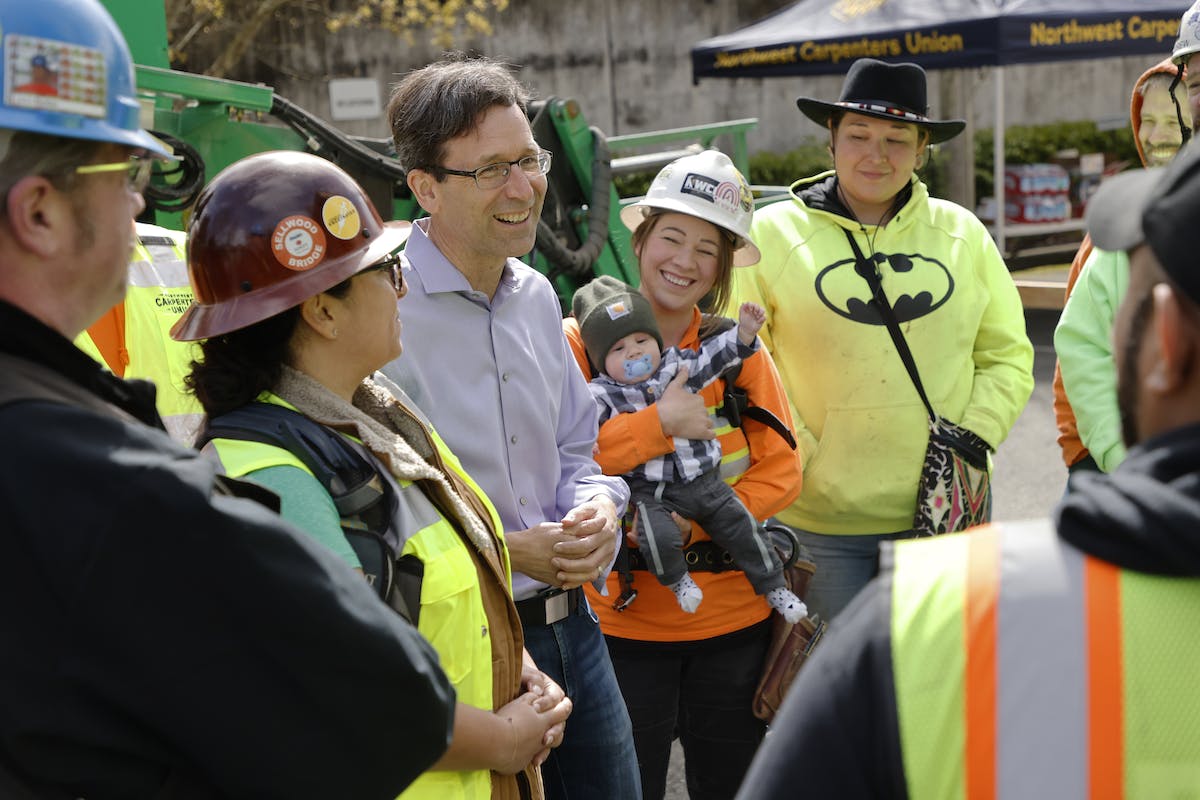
<point>213,122</point>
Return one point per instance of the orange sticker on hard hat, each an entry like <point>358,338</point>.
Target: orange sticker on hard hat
<point>298,243</point>
<point>341,217</point>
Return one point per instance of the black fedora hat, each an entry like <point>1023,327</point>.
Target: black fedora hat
<point>888,91</point>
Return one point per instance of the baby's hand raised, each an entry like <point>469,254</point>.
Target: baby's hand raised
<point>751,317</point>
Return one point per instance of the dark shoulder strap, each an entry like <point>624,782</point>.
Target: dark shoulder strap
<point>870,274</point>
<point>735,404</point>
<point>344,472</point>
<point>358,491</point>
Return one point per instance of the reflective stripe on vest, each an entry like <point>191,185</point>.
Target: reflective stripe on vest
<point>158,294</point>
<point>734,462</point>
<point>452,618</point>
<point>1024,668</point>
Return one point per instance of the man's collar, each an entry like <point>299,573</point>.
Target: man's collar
<point>438,273</point>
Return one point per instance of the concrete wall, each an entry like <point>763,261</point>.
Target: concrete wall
<point>628,64</point>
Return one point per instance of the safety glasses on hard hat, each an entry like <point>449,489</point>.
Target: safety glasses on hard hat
<point>137,168</point>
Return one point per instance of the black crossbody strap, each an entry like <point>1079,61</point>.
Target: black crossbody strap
<point>867,270</point>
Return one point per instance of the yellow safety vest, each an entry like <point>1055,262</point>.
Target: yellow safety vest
<point>1025,668</point>
<point>157,295</point>
<point>452,615</point>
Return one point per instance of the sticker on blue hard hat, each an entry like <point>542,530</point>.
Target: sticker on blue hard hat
<point>50,75</point>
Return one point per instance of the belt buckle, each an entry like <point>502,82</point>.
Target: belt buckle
<point>557,607</point>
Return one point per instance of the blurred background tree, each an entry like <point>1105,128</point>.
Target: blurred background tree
<point>210,37</point>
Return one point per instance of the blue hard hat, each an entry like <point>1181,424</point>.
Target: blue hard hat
<point>95,96</point>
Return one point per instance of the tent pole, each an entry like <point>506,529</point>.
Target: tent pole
<point>998,160</point>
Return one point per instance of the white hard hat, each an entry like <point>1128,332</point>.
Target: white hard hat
<point>708,186</point>
<point>1189,35</point>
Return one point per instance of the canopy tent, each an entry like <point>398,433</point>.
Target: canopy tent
<point>822,37</point>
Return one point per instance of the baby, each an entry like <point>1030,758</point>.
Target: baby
<point>623,342</point>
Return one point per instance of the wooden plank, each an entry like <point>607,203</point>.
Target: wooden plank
<point>1041,293</point>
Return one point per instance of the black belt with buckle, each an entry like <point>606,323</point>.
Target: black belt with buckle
<point>549,606</point>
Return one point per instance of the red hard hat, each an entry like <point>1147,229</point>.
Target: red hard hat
<point>271,231</point>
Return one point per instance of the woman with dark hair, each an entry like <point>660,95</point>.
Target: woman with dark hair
<point>296,284</point>
<point>860,421</point>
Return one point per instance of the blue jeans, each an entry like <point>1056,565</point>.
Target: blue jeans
<point>596,758</point>
<point>845,564</point>
<point>700,691</point>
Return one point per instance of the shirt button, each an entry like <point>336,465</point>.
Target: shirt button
<point>524,501</point>
<point>513,438</point>
<point>504,377</point>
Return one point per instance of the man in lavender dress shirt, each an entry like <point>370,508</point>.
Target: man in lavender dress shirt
<point>486,360</point>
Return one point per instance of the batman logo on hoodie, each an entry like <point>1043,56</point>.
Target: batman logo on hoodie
<point>915,286</point>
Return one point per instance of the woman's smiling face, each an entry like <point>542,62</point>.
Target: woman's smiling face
<point>678,261</point>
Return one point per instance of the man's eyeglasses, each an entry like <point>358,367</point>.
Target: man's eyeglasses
<point>493,176</point>
<point>137,169</point>
<point>392,263</point>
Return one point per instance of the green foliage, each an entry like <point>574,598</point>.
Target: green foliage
<point>776,169</point>
<point>1036,144</point>
<point>766,169</point>
<point>633,184</point>
<point>784,169</point>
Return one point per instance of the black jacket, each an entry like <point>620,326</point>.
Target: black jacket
<point>837,734</point>
<point>161,639</point>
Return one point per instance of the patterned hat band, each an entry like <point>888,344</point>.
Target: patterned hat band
<point>891,111</point>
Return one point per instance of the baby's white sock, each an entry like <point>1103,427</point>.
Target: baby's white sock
<point>687,593</point>
<point>786,603</point>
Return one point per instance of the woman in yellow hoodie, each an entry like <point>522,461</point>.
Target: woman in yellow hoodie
<point>861,425</point>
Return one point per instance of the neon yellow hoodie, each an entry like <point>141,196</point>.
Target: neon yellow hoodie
<point>861,425</point>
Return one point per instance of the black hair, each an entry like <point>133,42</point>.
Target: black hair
<point>236,367</point>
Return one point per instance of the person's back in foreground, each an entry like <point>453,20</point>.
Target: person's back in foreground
<point>1037,660</point>
<point>163,638</point>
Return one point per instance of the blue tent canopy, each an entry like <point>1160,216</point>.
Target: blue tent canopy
<point>822,37</point>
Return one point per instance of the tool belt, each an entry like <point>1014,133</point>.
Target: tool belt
<point>699,557</point>
<point>707,556</point>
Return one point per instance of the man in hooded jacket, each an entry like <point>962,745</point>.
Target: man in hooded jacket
<point>1085,378</point>
<point>1040,659</point>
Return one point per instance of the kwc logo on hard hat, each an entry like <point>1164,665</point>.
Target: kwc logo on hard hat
<point>724,195</point>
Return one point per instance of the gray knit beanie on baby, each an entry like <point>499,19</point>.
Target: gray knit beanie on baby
<point>607,310</point>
